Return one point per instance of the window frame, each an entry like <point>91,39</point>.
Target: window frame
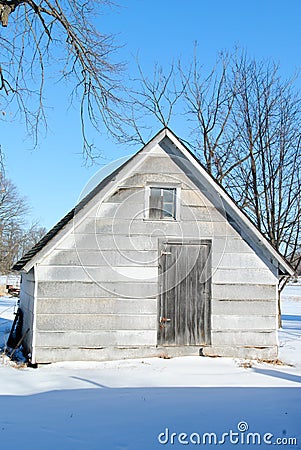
<point>177,188</point>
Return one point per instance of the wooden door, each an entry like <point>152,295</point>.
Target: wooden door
<point>185,294</point>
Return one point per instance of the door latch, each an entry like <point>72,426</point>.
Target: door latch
<point>163,321</point>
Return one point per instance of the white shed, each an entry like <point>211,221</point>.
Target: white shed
<point>156,259</point>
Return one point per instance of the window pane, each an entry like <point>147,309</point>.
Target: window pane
<point>169,203</point>
<point>155,203</point>
<point>168,195</point>
<point>155,192</point>
<point>162,203</point>
<point>168,210</point>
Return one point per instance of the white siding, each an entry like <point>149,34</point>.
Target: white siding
<point>98,287</point>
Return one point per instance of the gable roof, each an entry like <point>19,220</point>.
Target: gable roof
<point>235,215</point>
<point>65,220</point>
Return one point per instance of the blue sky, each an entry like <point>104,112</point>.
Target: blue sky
<point>53,176</point>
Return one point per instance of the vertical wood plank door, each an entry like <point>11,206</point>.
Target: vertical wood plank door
<point>185,294</point>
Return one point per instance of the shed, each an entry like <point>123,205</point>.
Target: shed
<point>156,259</point>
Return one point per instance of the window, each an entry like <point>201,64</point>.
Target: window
<point>162,203</point>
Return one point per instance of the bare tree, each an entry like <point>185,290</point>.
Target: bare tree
<point>16,237</point>
<point>13,209</point>
<point>28,238</point>
<point>203,99</point>
<point>61,38</point>
<point>152,102</point>
<point>297,263</point>
<point>245,124</point>
<point>267,119</point>
<point>209,99</point>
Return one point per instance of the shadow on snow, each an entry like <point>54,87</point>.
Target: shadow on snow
<point>132,418</point>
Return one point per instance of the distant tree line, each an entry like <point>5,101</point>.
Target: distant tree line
<point>16,236</point>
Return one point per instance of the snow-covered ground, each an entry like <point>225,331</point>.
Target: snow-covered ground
<point>290,335</point>
<point>138,404</point>
<point>7,309</point>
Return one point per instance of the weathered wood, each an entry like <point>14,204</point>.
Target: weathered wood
<point>166,329</point>
<point>186,295</point>
<point>206,280</point>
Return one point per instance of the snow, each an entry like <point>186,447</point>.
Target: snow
<point>7,309</point>
<point>131,404</point>
<point>290,335</point>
